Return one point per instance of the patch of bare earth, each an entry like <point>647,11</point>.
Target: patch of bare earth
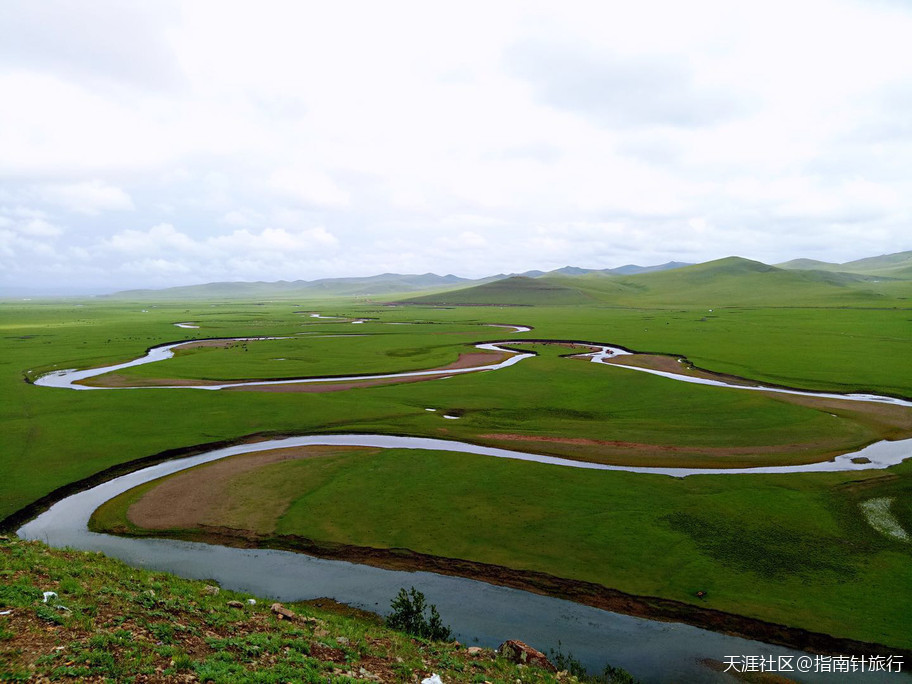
<point>671,364</point>
<point>201,495</point>
<point>117,380</point>
<point>467,360</point>
<point>614,452</point>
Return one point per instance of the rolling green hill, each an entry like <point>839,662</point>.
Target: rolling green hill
<point>732,281</point>
<point>898,265</point>
<point>515,291</point>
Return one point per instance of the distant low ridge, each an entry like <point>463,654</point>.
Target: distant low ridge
<point>732,279</point>
<point>898,265</point>
<point>383,284</point>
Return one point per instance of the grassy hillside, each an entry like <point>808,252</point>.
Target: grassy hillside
<point>514,291</point>
<point>739,282</point>
<point>898,265</point>
<point>127,624</point>
<point>732,281</point>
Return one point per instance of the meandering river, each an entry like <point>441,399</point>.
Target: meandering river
<point>478,612</point>
<point>879,455</point>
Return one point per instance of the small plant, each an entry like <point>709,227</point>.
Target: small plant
<point>609,675</point>
<point>408,616</point>
<point>567,661</point>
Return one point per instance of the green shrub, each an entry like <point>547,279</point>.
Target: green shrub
<point>408,616</point>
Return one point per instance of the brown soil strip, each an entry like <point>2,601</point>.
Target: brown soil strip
<point>888,420</point>
<point>620,453</point>
<point>320,387</point>
<point>474,359</point>
<point>672,364</point>
<point>192,497</point>
<point>466,360</point>
<point>117,380</point>
<point>587,593</point>
<point>207,343</point>
<point>640,446</point>
<point>15,520</point>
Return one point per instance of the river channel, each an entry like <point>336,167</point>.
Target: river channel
<point>479,613</point>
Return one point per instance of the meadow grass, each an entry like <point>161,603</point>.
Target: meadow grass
<point>321,349</point>
<point>52,437</point>
<point>129,624</point>
<point>762,545</point>
<point>791,549</point>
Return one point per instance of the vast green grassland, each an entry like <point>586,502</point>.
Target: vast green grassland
<point>777,547</point>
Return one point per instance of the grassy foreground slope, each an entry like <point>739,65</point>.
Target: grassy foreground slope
<point>127,624</point>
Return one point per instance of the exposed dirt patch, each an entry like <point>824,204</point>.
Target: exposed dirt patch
<point>674,364</point>
<point>667,455</point>
<point>190,498</point>
<point>117,380</point>
<point>320,387</point>
<point>888,420</point>
<point>466,360</point>
<point>475,359</point>
<point>208,343</point>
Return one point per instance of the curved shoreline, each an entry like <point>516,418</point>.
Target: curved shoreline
<point>74,379</point>
<point>578,591</point>
<point>603,351</point>
<point>30,511</point>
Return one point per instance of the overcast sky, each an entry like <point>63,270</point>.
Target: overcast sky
<point>149,144</point>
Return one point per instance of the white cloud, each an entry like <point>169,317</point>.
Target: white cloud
<point>38,227</point>
<point>88,197</point>
<point>721,129</point>
<point>309,186</point>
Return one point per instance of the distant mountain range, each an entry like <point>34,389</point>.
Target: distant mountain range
<point>367,286</point>
<point>385,283</point>
<point>671,282</point>
<point>732,281</point>
<point>898,265</point>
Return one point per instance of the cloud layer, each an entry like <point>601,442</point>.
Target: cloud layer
<point>182,143</point>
